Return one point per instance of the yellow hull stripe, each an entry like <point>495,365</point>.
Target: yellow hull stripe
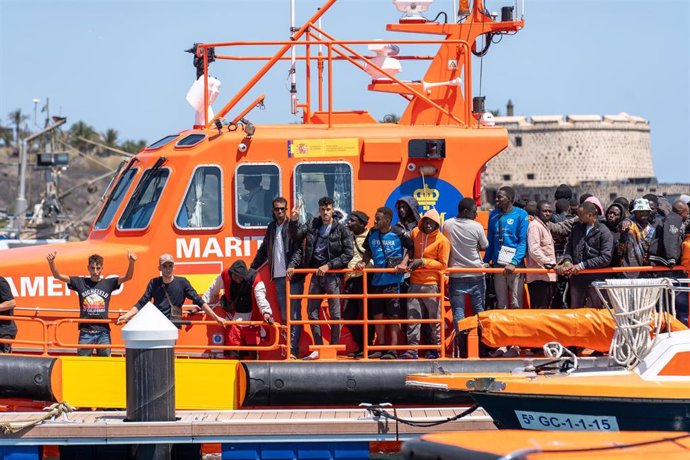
<point>201,384</point>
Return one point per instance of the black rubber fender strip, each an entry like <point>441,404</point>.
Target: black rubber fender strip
<point>26,377</point>
<point>314,383</point>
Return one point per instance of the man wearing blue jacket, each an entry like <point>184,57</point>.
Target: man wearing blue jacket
<point>507,247</point>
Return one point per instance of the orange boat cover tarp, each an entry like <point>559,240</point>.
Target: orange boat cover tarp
<point>565,445</point>
<point>582,327</point>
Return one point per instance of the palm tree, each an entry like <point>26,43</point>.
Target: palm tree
<point>17,118</point>
<point>109,137</point>
<point>82,130</point>
<point>133,146</point>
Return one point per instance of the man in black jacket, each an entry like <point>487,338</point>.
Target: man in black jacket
<point>589,245</point>
<point>665,248</point>
<point>283,255</point>
<point>328,246</point>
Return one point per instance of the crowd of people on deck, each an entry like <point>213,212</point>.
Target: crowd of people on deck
<point>564,236</point>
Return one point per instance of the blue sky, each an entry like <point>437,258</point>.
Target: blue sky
<point>120,65</point>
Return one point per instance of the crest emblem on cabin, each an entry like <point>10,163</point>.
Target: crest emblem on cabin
<point>426,197</point>
<point>431,192</point>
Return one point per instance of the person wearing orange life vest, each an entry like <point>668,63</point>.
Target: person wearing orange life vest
<point>245,294</point>
<point>431,251</point>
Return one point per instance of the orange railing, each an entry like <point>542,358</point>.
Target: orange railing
<point>43,344</point>
<point>343,52</point>
<point>120,346</point>
<point>47,344</point>
<point>365,322</point>
<point>57,343</point>
<point>334,52</point>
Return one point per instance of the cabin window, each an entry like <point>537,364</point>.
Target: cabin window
<point>161,142</point>
<point>190,141</point>
<point>202,207</point>
<point>114,199</point>
<point>256,185</point>
<point>143,203</point>
<point>315,180</point>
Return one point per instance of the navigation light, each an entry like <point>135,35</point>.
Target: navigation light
<point>412,10</point>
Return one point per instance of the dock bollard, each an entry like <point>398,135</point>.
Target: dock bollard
<point>150,372</point>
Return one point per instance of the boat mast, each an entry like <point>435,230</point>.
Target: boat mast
<point>293,62</point>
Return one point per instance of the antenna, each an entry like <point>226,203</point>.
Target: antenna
<point>293,62</point>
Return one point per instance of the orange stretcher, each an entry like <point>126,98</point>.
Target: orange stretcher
<point>582,327</point>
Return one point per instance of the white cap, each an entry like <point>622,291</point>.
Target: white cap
<point>641,204</point>
<point>165,258</point>
<point>149,329</point>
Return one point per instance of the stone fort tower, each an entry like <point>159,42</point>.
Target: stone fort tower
<point>547,150</point>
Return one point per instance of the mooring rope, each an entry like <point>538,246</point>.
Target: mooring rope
<point>377,411</point>
<point>634,304</point>
<point>53,411</point>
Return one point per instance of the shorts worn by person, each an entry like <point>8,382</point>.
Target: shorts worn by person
<point>94,293</point>
<point>388,247</point>
<point>8,328</point>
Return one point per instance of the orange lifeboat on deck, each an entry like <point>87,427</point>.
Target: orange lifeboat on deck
<point>645,387</point>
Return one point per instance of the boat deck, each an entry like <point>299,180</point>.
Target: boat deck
<point>266,425</point>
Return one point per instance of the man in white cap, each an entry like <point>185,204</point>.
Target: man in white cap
<point>637,235</point>
<point>168,293</point>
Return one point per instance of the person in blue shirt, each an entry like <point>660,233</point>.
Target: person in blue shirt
<point>507,247</point>
<point>388,247</point>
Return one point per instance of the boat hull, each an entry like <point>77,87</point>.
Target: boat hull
<point>541,412</point>
<point>249,383</point>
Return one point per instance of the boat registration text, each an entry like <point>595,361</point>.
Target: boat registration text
<point>565,422</point>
